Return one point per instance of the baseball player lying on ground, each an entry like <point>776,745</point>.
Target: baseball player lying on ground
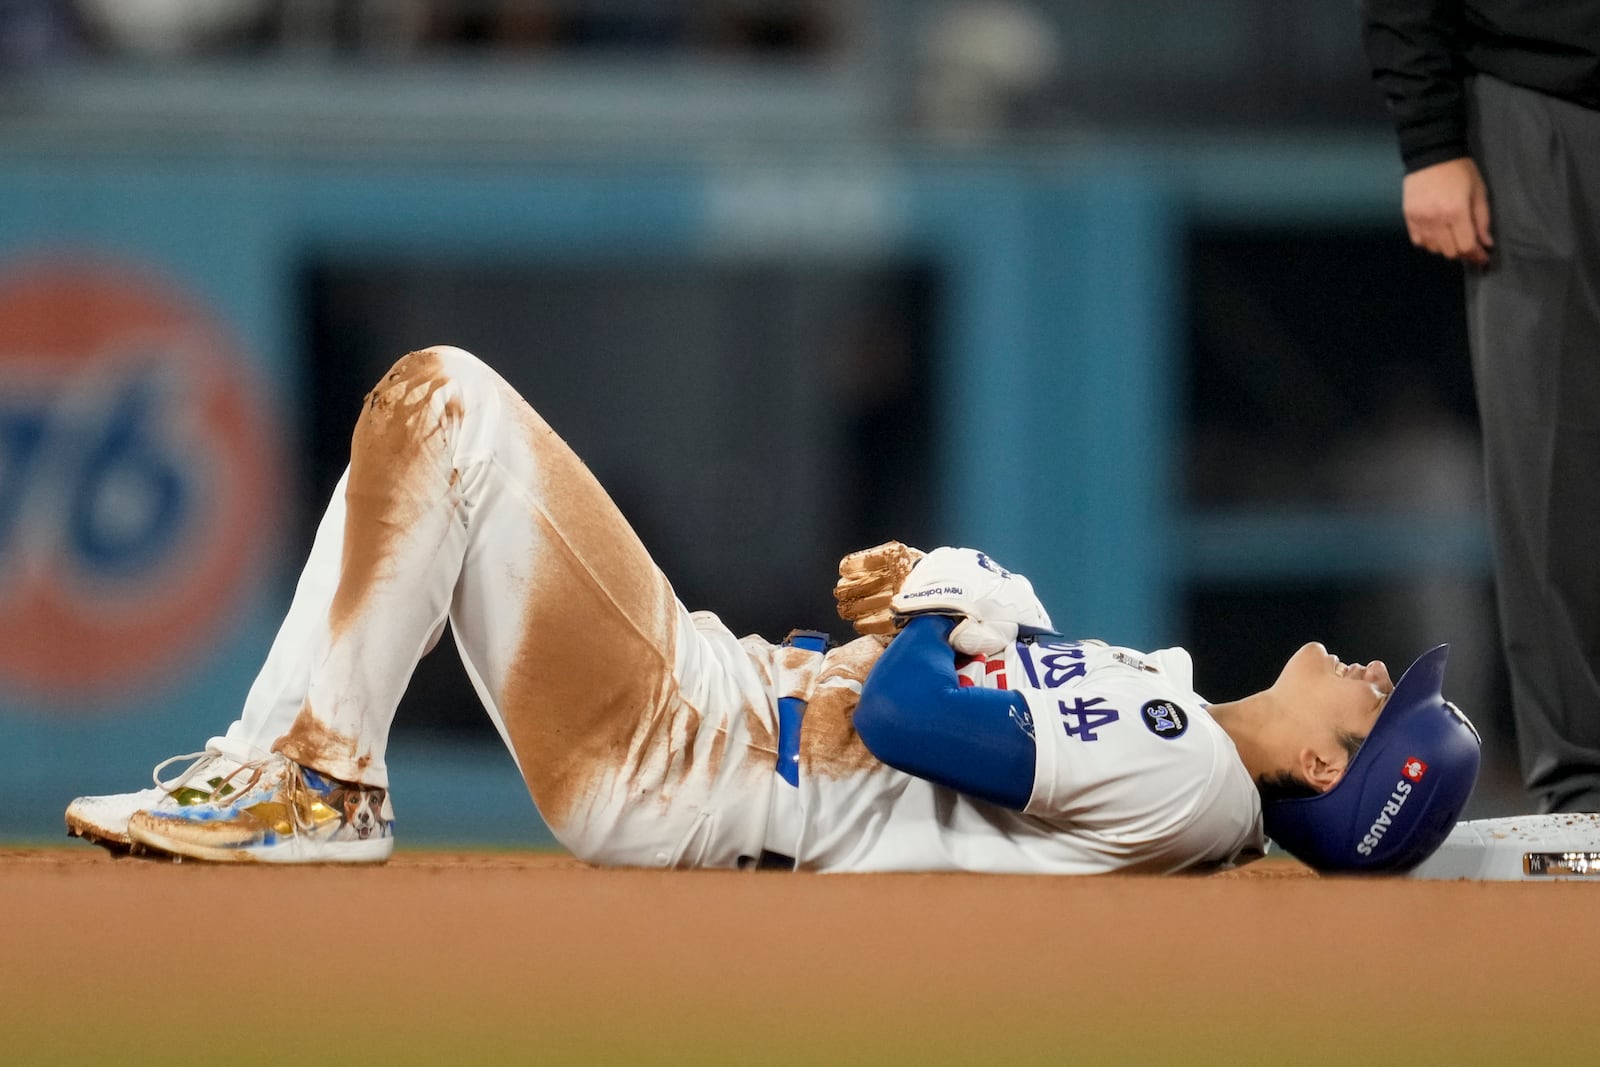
<point>971,739</point>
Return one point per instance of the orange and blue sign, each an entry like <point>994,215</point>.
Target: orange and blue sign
<point>141,479</point>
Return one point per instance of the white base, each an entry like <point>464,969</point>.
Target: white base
<point>1499,850</point>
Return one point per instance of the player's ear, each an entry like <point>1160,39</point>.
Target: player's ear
<point>1321,774</point>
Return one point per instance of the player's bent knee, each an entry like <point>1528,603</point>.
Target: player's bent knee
<point>433,363</point>
<point>458,388</point>
<point>421,390</point>
<point>423,372</point>
<point>455,362</point>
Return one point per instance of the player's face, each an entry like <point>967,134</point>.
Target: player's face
<point>1335,695</point>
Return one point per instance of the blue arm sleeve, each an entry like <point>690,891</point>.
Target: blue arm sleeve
<point>914,715</point>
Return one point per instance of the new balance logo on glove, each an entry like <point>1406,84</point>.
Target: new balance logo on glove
<point>995,605</point>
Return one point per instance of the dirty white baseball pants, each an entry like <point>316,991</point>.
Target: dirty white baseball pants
<point>645,733</point>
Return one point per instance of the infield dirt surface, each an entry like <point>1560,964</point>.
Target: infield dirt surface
<point>535,958</point>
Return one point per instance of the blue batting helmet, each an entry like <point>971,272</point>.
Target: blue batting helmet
<point>1400,796</point>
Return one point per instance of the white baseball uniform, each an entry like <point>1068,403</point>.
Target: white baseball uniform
<point>1131,773</point>
<point>648,735</point>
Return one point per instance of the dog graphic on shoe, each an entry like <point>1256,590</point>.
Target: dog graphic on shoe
<point>360,813</point>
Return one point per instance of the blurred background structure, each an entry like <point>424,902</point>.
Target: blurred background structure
<point>1119,292</point>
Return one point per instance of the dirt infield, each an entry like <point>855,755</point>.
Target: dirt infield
<point>517,958</point>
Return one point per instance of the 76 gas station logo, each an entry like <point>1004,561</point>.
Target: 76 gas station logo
<point>95,477</point>
<point>140,480</point>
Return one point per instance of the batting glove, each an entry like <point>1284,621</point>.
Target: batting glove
<point>995,605</point>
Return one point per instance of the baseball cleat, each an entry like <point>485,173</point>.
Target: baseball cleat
<point>272,811</point>
<point>103,820</point>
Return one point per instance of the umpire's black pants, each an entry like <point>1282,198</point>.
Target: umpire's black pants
<point>1534,324</point>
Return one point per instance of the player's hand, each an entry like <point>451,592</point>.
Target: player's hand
<point>994,604</point>
<point>1447,211</point>
<point>868,580</point>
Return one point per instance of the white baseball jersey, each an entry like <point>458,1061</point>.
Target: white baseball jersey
<point>1131,774</point>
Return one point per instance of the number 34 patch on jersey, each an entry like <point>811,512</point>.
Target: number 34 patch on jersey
<point>1164,719</point>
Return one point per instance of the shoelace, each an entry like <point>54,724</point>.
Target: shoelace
<point>293,810</point>
<point>299,797</point>
<point>201,759</point>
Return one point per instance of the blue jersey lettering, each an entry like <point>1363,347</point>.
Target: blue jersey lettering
<point>1060,664</point>
<point>1083,717</point>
